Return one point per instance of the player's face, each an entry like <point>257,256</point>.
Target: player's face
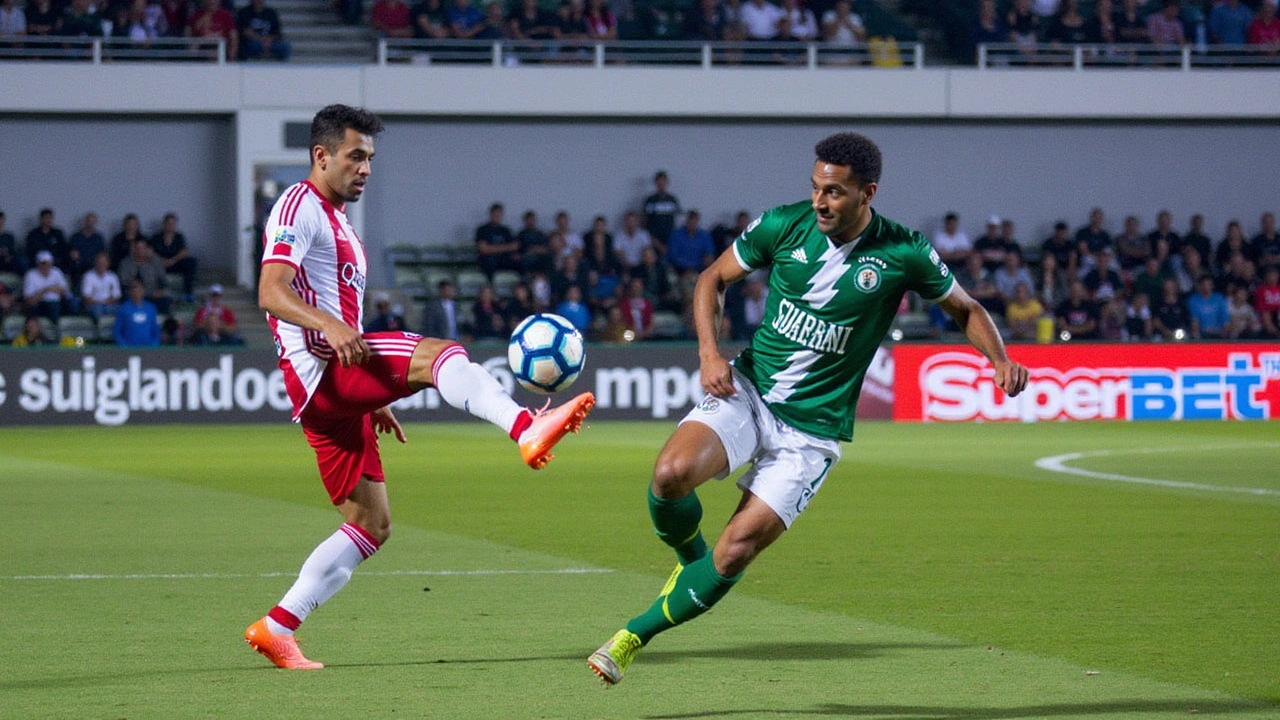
<point>346,170</point>
<point>842,205</point>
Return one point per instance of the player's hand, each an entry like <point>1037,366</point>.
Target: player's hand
<point>717,376</point>
<point>347,343</point>
<point>384,422</point>
<point>1011,377</point>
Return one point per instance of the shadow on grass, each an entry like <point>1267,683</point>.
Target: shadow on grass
<point>924,712</point>
<point>793,651</point>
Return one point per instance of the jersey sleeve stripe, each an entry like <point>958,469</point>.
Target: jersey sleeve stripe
<point>737,255</point>
<point>950,288</point>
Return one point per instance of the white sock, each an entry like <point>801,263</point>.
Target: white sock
<point>325,572</point>
<point>468,386</point>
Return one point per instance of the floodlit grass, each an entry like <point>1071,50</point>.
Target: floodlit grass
<point>939,574</point>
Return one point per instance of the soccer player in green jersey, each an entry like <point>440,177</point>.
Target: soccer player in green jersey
<point>838,271</point>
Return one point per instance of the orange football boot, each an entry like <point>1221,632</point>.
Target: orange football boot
<point>279,649</point>
<point>549,426</point>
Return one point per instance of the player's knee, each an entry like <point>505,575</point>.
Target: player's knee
<point>673,476</point>
<point>732,558</point>
<point>380,530</point>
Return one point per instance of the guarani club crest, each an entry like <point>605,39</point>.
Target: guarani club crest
<point>867,277</point>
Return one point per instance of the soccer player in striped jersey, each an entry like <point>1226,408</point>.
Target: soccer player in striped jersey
<point>838,271</point>
<point>342,380</point>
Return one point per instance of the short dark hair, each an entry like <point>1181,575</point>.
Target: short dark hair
<point>46,211</point>
<point>854,151</point>
<point>330,125</point>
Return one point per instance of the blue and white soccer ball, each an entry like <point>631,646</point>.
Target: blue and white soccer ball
<point>545,353</point>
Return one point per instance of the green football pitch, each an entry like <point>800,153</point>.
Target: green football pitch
<point>945,572</point>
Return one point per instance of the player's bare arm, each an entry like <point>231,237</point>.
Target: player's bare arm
<point>708,305</point>
<point>1011,377</point>
<point>277,296</point>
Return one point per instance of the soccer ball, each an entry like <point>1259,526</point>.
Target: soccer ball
<point>545,353</point>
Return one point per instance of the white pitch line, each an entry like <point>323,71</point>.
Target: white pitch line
<point>234,576</point>
<point>1058,464</point>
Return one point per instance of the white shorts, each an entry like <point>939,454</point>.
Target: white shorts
<point>787,465</point>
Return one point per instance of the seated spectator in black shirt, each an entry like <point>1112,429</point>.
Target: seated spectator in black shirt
<point>122,242</point>
<point>1196,238</point>
<point>1132,248</point>
<point>1164,241</point>
<point>171,247</point>
<point>42,18</point>
<point>80,19</point>
<point>519,306</point>
<point>386,317</point>
<point>83,247</point>
<point>1150,280</point>
<point>496,245</point>
<point>535,247</point>
<point>991,247</point>
<point>10,262</point>
<point>1169,317</point>
<point>486,316</point>
<point>260,33</point>
<point>1077,315</point>
<point>530,22</point>
<point>1266,244</point>
<point>657,283</point>
<point>1102,281</point>
<point>1234,242</point>
<point>1060,246</point>
<point>980,283</point>
<point>1093,236</point>
<point>46,238</point>
<point>429,23</point>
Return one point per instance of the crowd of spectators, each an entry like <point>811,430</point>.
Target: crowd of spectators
<point>252,31</point>
<point>1133,286</point>
<point>127,287</point>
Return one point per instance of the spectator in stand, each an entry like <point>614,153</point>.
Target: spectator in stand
<point>1232,243</point>
<point>1229,22</point>
<point>465,20</point>
<point>602,24</point>
<point>571,239</point>
<point>991,247</point>
<point>1239,271</point>
<point>1266,300</point>
<point>842,27</point>
<point>139,21</point>
<point>1054,281</point>
<point>761,19</point>
<point>260,33</point>
<point>1131,246</point>
<point>1207,309</point>
<point>989,27</point>
<point>952,243</point>
<point>143,265</point>
<point>722,236</point>
<point>1138,325</point>
<point>1169,317</point>
<point>122,242</point>
<point>978,280</point>
<point>137,322</point>
<point>637,310</point>
<point>1022,312</point>
<point>801,24</point>
<point>733,29</point>
<point>1265,28</point>
<point>704,22</point>
<point>572,308</point>
<point>1164,27</point>
<point>631,241</point>
<point>440,320</point>
<point>534,247</point>
<point>10,260</point>
<point>171,247</point>
<point>1266,244</point>
<point>1060,246</point>
<point>1024,26</point>
<point>13,22</point>
<point>42,18</point>
<point>1191,267</point>
<point>430,23</point>
<point>1093,237</point>
<point>386,318</point>
<point>215,323</point>
<point>45,237</point>
<point>175,16</point>
<point>599,253</point>
<point>1103,281</point>
<point>100,289</point>
<point>657,283</point>
<point>44,288</point>
<point>569,273</point>
<point>1101,28</point>
<point>486,316</point>
<point>529,21</point>
<point>1077,317</point>
<point>213,20</point>
<point>496,246</point>
<point>83,248</point>
<point>660,209</point>
<point>1011,274</point>
<point>1164,241</point>
<point>494,24</point>
<point>80,19</point>
<point>390,18</point>
<point>1196,238</point>
<point>32,334</point>
<point>519,306</point>
<point>571,25</point>
<point>1243,322</point>
<point>1151,278</point>
<point>689,248</point>
<point>1131,26</point>
<point>1068,26</point>
<point>1112,316</point>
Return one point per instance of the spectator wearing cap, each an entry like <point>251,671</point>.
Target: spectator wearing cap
<point>952,243</point>
<point>387,317</point>
<point>44,288</point>
<point>215,323</point>
<point>992,245</point>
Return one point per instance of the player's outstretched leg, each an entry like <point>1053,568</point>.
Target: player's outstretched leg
<point>677,522</point>
<point>468,386</point>
<point>690,591</point>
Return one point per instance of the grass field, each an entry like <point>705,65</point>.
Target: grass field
<point>939,575</point>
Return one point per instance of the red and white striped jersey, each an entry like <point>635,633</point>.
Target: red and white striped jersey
<point>308,233</point>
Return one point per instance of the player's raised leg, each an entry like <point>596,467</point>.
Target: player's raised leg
<point>446,366</point>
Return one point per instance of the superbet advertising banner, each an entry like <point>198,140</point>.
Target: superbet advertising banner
<point>954,383</point>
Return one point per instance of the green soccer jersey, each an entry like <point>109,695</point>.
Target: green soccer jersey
<point>829,307</point>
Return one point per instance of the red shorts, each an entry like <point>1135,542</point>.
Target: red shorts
<point>336,420</point>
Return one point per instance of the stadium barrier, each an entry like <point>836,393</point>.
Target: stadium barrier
<point>930,383</point>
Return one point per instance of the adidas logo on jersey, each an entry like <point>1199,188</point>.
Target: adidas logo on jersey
<point>799,256</point>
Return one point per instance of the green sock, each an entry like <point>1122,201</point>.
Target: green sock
<point>697,588</point>
<point>676,523</point>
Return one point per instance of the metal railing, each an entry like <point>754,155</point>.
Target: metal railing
<point>513,53</point>
<point>1135,56</point>
<point>100,50</point>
